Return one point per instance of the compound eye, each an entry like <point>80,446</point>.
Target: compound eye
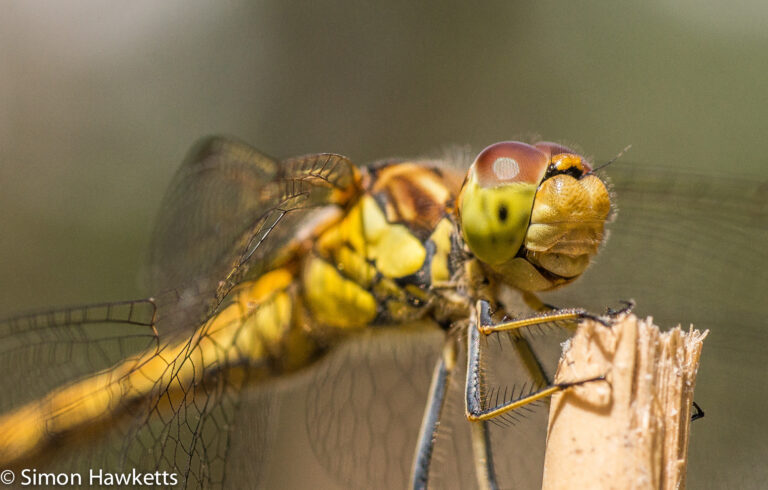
<point>497,197</point>
<point>508,162</point>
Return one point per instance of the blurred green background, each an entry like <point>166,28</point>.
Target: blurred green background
<point>100,103</point>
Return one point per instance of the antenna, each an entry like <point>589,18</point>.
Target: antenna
<point>612,159</point>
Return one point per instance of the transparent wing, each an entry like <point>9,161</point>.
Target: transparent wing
<point>180,423</point>
<point>44,350</point>
<point>219,221</point>
<point>693,248</point>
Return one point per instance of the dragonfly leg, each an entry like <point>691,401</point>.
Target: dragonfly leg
<point>698,413</point>
<point>428,433</point>
<point>567,316</point>
<point>629,305</point>
<point>481,324</point>
<point>481,440</point>
<point>478,414</point>
<point>539,306</point>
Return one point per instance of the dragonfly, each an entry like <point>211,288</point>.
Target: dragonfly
<point>375,326</point>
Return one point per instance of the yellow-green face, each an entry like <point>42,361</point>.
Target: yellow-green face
<point>533,213</point>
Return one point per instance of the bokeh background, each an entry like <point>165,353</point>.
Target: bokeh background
<point>99,103</point>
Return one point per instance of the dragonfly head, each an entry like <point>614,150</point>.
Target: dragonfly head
<point>534,214</point>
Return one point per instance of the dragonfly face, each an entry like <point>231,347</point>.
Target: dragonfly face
<point>253,287</point>
<point>542,197</point>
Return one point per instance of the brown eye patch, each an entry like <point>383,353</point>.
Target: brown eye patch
<point>508,162</point>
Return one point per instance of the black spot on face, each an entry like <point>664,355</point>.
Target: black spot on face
<point>502,211</point>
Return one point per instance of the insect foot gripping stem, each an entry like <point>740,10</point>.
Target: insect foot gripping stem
<point>631,432</point>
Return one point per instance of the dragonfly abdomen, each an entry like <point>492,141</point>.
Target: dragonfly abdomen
<point>255,335</point>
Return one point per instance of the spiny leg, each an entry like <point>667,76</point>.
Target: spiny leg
<point>441,377</point>
<point>535,304</point>
<point>475,412</point>
<point>481,440</point>
<point>481,323</point>
<point>487,327</point>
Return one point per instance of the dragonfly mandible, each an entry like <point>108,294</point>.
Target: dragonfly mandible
<point>265,269</point>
